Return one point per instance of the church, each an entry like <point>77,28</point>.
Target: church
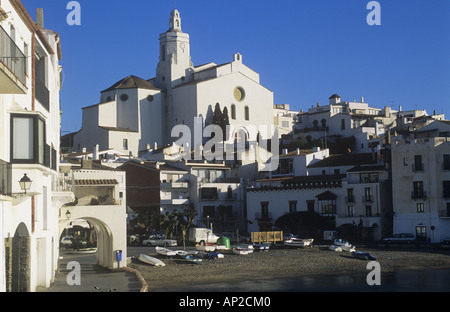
<point>136,114</point>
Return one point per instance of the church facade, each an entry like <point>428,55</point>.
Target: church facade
<point>136,114</point>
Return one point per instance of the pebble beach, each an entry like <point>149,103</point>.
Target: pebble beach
<point>283,262</point>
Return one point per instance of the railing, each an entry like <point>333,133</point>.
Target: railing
<point>367,199</point>
<point>349,199</point>
<point>12,57</point>
<point>263,216</point>
<point>62,183</point>
<point>418,167</point>
<point>5,178</point>
<point>418,195</point>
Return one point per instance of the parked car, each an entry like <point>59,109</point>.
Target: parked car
<point>158,240</point>
<point>66,241</point>
<point>232,236</point>
<point>400,238</point>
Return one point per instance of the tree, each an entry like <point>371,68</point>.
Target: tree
<point>225,122</point>
<point>185,220</point>
<point>217,115</point>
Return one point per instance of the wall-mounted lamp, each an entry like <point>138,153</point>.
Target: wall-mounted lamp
<point>25,183</point>
<point>68,215</point>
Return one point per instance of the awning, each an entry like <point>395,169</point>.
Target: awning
<point>81,182</point>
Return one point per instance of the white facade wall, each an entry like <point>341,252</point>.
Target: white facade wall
<point>408,217</point>
<point>33,216</point>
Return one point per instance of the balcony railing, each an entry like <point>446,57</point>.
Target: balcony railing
<point>418,167</point>
<point>349,199</point>
<point>12,57</point>
<point>263,216</point>
<point>5,178</point>
<point>367,199</point>
<point>418,195</point>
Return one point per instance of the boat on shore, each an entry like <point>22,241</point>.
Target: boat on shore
<point>363,255</point>
<point>346,246</point>
<point>165,252</point>
<point>335,248</point>
<point>151,260</point>
<point>206,247</point>
<point>241,251</point>
<point>298,242</point>
<point>261,247</point>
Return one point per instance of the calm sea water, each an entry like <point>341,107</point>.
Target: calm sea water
<point>403,281</point>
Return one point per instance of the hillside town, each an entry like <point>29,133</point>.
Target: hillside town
<point>346,166</point>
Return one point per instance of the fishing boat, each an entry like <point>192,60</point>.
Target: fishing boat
<point>298,242</point>
<point>165,252</point>
<point>190,258</point>
<point>151,260</point>
<point>243,246</point>
<point>363,255</point>
<point>181,253</point>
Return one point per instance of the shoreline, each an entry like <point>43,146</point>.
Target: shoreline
<point>279,264</point>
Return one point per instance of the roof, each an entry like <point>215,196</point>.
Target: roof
<point>326,196</point>
<point>334,96</point>
<point>88,182</point>
<point>131,82</point>
<point>351,159</point>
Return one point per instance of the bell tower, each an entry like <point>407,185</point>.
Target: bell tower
<point>174,55</point>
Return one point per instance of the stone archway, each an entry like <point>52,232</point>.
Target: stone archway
<point>105,243</point>
<point>18,260</point>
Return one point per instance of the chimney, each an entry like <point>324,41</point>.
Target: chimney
<point>40,17</point>
<point>95,153</point>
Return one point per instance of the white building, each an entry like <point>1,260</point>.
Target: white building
<point>135,113</point>
<point>421,187</point>
<point>30,123</point>
<point>100,200</point>
<point>344,119</point>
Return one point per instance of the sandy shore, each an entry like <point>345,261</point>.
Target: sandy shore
<point>283,263</point>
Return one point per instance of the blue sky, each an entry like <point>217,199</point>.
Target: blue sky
<point>303,50</point>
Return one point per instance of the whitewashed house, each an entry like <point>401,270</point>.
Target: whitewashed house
<point>421,187</point>
<point>30,123</point>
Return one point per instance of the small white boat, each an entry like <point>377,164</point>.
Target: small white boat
<point>151,260</point>
<point>241,251</point>
<point>205,247</point>
<point>335,248</point>
<point>261,247</point>
<point>243,246</point>
<point>221,247</point>
<point>165,252</point>
<point>181,253</point>
<point>298,242</point>
<point>346,246</point>
<point>191,258</point>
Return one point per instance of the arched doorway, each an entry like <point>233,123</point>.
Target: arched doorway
<point>104,235</point>
<point>18,260</point>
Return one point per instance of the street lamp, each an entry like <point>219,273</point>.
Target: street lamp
<point>25,183</point>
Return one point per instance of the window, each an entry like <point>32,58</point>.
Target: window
<point>418,165</point>
<point>446,189</point>
<point>368,211</point>
<point>310,205</point>
<point>446,162</point>
<point>368,194</point>
<point>239,94</point>
<point>286,166</point>
<point>229,193</point>
<point>342,124</point>
<point>264,210</point>
<point>420,207</point>
<point>246,113</point>
<point>448,209</point>
<point>418,189</point>
<point>125,144</point>
<point>233,111</point>
<point>351,211</point>
<point>28,140</point>
<point>292,206</point>
<point>421,232</point>
<point>371,177</point>
<point>350,198</point>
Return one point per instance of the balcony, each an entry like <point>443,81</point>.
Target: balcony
<point>263,216</point>
<point>418,195</point>
<point>367,199</point>
<point>12,66</point>
<point>417,167</point>
<point>349,199</point>
<point>174,185</point>
<point>175,201</point>
<point>5,178</point>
